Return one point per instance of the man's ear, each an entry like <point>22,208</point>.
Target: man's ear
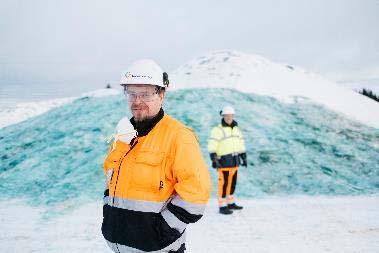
<point>162,95</point>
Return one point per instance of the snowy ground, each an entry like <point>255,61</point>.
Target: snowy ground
<point>292,224</point>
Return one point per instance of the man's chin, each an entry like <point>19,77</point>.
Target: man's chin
<point>141,118</point>
<point>138,117</point>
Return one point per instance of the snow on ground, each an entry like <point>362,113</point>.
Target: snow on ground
<point>23,111</point>
<point>288,224</point>
<point>255,74</point>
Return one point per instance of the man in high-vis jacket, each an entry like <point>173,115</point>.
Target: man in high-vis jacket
<point>157,181</point>
<point>227,150</point>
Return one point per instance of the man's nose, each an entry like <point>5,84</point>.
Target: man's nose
<point>138,100</point>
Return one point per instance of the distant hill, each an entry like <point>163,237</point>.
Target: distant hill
<point>255,74</point>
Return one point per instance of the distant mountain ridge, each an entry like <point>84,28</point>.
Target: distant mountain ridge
<point>256,74</point>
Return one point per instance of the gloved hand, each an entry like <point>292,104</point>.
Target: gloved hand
<point>125,131</point>
<point>243,159</point>
<point>215,162</point>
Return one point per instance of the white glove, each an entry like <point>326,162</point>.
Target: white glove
<point>125,131</point>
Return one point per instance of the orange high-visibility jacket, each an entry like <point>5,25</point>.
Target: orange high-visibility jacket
<point>154,189</point>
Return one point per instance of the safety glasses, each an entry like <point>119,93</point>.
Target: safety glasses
<point>144,96</point>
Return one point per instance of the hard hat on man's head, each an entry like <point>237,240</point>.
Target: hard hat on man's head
<point>145,71</point>
<point>227,110</point>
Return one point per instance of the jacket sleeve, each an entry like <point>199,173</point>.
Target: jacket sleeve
<point>193,182</point>
<point>214,139</point>
<point>242,147</point>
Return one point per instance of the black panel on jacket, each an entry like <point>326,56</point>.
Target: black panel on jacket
<point>132,228</point>
<point>182,214</point>
<point>227,161</point>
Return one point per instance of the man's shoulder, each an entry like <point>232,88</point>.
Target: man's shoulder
<point>217,127</point>
<point>171,122</point>
<point>183,132</point>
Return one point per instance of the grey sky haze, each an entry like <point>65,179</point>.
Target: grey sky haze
<point>92,41</point>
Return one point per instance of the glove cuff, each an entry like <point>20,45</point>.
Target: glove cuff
<point>213,156</point>
<point>243,155</point>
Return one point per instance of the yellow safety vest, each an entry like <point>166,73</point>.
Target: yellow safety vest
<point>225,140</point>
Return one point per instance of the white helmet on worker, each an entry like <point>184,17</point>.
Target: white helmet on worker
<point>145,71</point>
<point>227,110</point>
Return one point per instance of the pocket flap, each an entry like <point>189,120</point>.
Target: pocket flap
<point>148,157</point>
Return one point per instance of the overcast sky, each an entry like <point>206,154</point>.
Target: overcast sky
<point>93,41</point>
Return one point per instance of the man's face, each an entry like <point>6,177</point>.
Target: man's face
<point>147,102</point>
<point>228,118</point>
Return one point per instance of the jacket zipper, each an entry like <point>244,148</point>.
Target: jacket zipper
<point>119,169</point>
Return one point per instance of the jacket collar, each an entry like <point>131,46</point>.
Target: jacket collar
<point>223,123</point>
<point>145,126</point>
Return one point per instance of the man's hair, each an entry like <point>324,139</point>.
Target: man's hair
<point>160,89</point>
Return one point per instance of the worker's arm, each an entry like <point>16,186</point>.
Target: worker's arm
<point>193,182</point>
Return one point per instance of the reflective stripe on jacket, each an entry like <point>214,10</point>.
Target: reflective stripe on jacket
<point>154,189</point>
<point>227,142</point>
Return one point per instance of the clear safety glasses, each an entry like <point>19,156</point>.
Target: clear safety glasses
<point>144,96</point>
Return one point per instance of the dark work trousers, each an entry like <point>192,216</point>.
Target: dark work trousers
<point>227,180</point>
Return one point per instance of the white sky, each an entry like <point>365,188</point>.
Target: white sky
<point>93,41</point>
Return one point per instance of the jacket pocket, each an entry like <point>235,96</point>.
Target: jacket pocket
<point>166,234</point>
<point>146,172</point>
<point>114,158</point>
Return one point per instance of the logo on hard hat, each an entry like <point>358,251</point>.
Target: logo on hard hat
<point>128,75</point>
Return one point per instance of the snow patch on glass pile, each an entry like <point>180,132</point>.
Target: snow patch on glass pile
<point>298,148</point>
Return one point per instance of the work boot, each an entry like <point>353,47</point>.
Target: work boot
<point>225,210</point>
<point>234,206</point>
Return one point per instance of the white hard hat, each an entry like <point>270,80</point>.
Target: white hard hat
<point>227,110</point>
<point>145,71</point>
